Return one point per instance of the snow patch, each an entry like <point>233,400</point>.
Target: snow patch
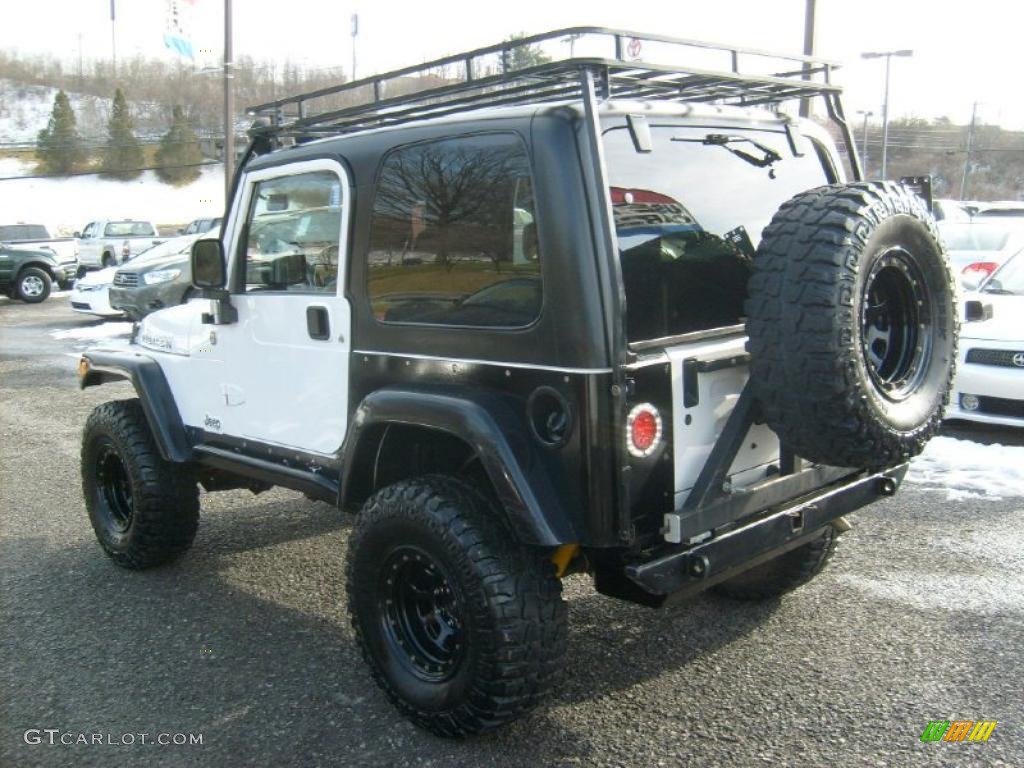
<point>90,332</point>
<point>965,469</point>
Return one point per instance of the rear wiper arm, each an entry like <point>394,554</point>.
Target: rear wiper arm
<point>769,156</point>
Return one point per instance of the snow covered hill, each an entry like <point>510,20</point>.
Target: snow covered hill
<point>68,204</point>
<point>25,110</point>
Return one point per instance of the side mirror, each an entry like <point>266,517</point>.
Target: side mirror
<point>77,234</point>
<point>208,268</point>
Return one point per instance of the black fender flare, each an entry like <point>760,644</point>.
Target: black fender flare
<point>484,422</point>
<point>100,366</point>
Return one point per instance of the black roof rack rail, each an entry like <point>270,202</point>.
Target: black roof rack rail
<point>621,64</point>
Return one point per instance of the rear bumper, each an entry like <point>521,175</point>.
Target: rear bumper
<point>687,571</point>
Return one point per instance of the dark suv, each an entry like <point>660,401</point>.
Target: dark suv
<point>592,315</point>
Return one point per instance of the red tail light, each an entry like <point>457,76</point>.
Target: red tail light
<point>643,430</point>
<point>982,268</point>
<point>126,249</point>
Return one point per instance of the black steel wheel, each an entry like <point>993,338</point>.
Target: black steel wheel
<point>852,324</point>
<point>143,509</point>
<point>421,614</point>
<point>462,628</point>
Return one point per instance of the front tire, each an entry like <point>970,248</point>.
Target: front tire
<point>34,285</point>
<point>463,629</point>
<point>144,510</point>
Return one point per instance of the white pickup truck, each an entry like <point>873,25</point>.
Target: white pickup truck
<point>37,236</point>
<point>108,243</point>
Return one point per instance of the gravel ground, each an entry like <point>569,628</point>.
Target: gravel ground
<point>245,640</point>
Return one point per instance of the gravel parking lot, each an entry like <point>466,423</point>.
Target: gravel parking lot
<point>246,642</point>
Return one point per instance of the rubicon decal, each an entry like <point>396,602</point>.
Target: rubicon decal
<point>958,730</point>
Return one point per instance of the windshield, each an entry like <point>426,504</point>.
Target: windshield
<point>689,215</point>
<point>128,229</point>
<point>1009,279</point>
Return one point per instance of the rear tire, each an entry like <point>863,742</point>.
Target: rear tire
<point>463,629</point>
<point>108,260</point>
<point>33,285</point>
<point>144,510</point>
<point>852,325</point>
<point>784,573</point>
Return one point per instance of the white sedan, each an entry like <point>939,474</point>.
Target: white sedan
<point>91,294</point>
<point>989,385</point>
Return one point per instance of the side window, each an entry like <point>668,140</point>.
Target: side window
<point>453,239</point>
<point>89,231</point>
<point>292,235</point>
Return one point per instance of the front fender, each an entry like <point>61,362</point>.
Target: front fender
<point>100,366</point>
<point>489,426</point>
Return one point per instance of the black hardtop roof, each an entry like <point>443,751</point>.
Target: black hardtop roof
<point>487,77</point>
<point>368,145</point>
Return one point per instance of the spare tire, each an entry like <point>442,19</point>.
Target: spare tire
<point>852,325</point>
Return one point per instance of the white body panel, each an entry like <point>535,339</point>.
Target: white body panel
<point>263,377</point>
<point>91,294</point>
<point>1004,331</point>
<point>718,393</point>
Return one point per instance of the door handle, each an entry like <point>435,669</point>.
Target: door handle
<point>318,323</point>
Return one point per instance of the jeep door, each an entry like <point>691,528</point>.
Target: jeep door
<point>279,375</point>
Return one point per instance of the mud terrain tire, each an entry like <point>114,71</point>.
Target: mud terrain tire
<point>852,325</point>
<point>783,573</point>
<point>461,627</point>
<point>144,510</point>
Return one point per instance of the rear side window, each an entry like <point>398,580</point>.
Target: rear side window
<point>453,239</point>
<point>129,229</point>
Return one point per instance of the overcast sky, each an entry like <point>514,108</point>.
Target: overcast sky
<point>963,52</point>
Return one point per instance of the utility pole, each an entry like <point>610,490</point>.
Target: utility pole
<point>355,32</point>
<point>967,159</point>
<point>113,41</point>
<point>864,137</point>
<point>887,55</point>
<point>229,106</point>
<point>805,104</point>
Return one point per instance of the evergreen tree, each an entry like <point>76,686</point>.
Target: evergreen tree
<point>523,56</point>
<point>58,146</point>
<point>123,156</point>
<point>179,155</point>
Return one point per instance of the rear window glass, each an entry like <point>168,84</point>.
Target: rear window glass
<point>129,229</point>
<point>975,237</point>
<point>23,232</point>
<point>453,239</point>
<point>688,215</point>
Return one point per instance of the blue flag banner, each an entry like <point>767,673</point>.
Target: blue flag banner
<point>178,34</point>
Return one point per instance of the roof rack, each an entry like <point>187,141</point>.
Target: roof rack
<point>619,63</point>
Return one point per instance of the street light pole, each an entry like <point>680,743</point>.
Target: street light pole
<point>887,55</point>
<point>864,137</point>
<point>229,106</point>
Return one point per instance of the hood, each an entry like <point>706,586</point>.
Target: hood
<point>102,277</point>
<point>29,253</point>
<point>176,261</point>
<point>1007,323</point>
